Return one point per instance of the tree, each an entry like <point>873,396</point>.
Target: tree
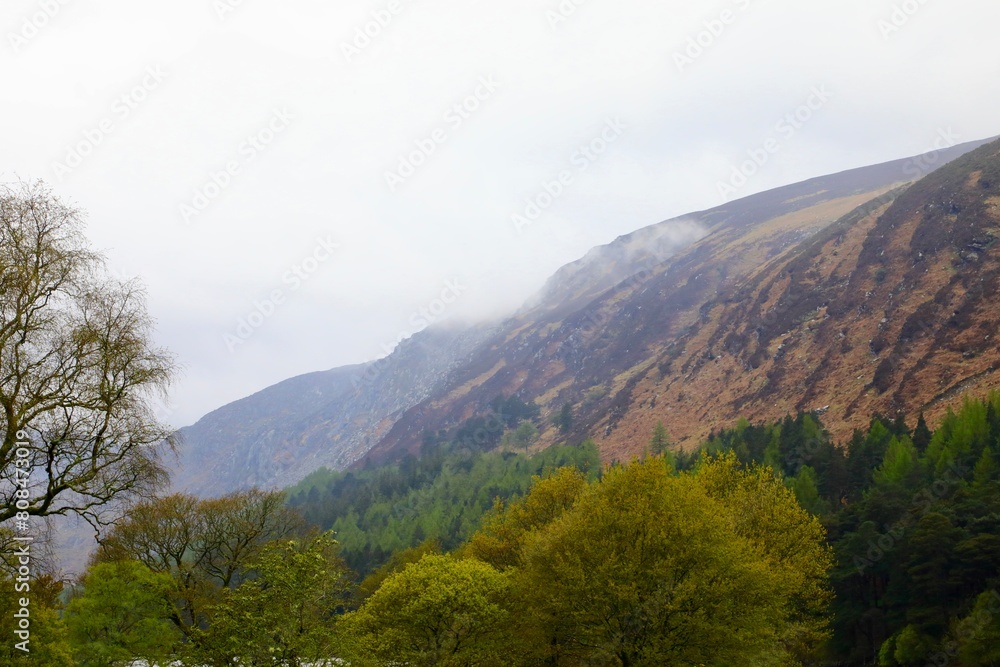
<point>47,643</point>
<point>646,569</point>
<point>978,634</point>
<point>897,464</point>
<point>438,612</point>
<point>804,486</point>
<point>931,570</point>
<point>205,545</point>
<point>122,615</point>
<point>660,442</point>
<point>501,539</point>
<point>283,616</point>
<point>921,434</point>
<point>397,562</point>
<point>790,540</point>
<point>525,435</point>
<point>78,368</point>
<point>564,420</point>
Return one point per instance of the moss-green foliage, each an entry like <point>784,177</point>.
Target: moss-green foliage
<point>48,643</point>
<point>441,496</point>
<point>726,556</point>
<point>397,562</point>
<point>914,518</point>
<point>718,566</point>
<point>649,567</point>
<point>437,612</point>
<point>122,613</point>
<point>284,614</point>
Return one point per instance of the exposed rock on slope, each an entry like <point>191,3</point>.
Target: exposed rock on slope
<point>720,330</point>
<point>755,308</point>
<point>331,418</point>
<point>892,309</point>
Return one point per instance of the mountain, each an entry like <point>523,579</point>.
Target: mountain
<point>892,309</point>
<point>331,418</point>
<point>755,308</point>
<point>812,296</point>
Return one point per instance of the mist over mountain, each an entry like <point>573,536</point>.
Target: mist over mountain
<point>594,356</point>
<point>651,327</point>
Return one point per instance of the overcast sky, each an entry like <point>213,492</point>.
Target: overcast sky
<point>358,160</point>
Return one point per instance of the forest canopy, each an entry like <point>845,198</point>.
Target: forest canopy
<point>772,545</point>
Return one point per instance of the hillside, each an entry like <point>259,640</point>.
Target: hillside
<point>892,309</point>
<point>331,418</point>
<point>661,324</point>
<point>692,340</point>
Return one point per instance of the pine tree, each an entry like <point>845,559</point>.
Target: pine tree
<point>921,435</point>
<point>660,441</point>
<point>564,420</point>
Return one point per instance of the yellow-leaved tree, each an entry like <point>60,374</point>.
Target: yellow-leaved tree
<point>719,566</point>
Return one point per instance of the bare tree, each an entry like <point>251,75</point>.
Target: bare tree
<point>78,368</point>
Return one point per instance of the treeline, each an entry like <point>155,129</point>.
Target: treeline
<point>914,521</point>
<point>440,495</point>
<point>771,546</point>
<point>641,566</point>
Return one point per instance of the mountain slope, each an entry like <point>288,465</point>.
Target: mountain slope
<point>616,334</point>
<point>892,309</point>
<point>331,418</point>
<point>639,351</point>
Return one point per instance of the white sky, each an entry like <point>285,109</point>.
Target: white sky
<point>225,68</point>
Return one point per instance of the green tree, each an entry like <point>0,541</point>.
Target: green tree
<point>907,648</point>
<point>283,616</point>
<point>525,435</point>
<point>505,530</point>
<point>79,367</point>
<point>205,545</point>
<point>898,462</point>
<point>922,434</point>
<point>985,473</point>
<point>47,639</point>
<point>122,615</point>
<point>978,634</point>
<point>791,542</point>
<point>646,569</point>
<point>438,612</point>
<point>930,569</point>
<point>397,562</point>
<point>806,489</point>
<point>564,420</point>
<point>660,442</point>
